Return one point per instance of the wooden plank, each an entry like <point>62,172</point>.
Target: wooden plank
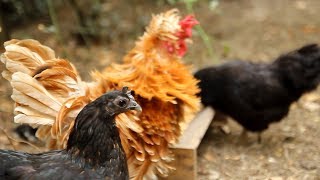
<point>185,163</point>
<point>186,150</point>
<point>194,133</point>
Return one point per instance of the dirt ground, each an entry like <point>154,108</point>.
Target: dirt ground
<point>257,30</point>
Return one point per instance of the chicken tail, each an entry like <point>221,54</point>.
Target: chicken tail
<point>43,86</point>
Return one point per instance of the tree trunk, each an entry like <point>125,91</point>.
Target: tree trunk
<point>4,28</point>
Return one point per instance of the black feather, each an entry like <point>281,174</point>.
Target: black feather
<point>94,149</point>
<point>256,95</point>
<point>26,132</point>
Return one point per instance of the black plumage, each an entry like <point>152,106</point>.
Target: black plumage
<point>94,149</point>
<point>26,132</point>
<point>256,95</point>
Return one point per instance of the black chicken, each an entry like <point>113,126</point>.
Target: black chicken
<point>94,150</point>
<point>256,95</point>
<point>26,132</point>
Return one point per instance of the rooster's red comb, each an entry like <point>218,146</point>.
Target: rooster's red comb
<point>186,25</point>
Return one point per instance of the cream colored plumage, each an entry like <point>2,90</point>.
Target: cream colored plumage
<point>49,93</point>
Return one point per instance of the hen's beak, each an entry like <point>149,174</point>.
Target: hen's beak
<point>133,105</point>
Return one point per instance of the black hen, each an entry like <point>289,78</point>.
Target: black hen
<point>256,95</point>
<point>26,132</point>
<point>94,149</point>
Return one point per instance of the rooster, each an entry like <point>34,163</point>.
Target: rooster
<point>49,92</point>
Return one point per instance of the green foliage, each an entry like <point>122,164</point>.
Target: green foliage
<point>184,1</point>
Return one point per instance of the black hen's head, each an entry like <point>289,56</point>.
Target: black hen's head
<point>116,102</point>
<point>301,68</point>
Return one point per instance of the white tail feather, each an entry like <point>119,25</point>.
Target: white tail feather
<point>24,52</point>
<point>31,114</point>
<point>28,119</point>
<point>25,100</point>
<point>7,75</point>
<point>32,88</point>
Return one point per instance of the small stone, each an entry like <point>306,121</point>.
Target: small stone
<point>289,138</point>
<point>286,128</point>
<point>308,165</point>
<point>302,5</point>
<point>209,156</point>
<point>302,129</point>
<point>276,178</point>
<point>311,106</point>
<point>214,175</point>
<point>272,160</point>
<point>236,158</point>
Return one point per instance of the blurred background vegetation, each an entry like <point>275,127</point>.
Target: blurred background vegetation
<point>84,23</point>
<point>98,31</point>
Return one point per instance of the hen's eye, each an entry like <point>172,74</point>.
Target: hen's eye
<point>122,103</point>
